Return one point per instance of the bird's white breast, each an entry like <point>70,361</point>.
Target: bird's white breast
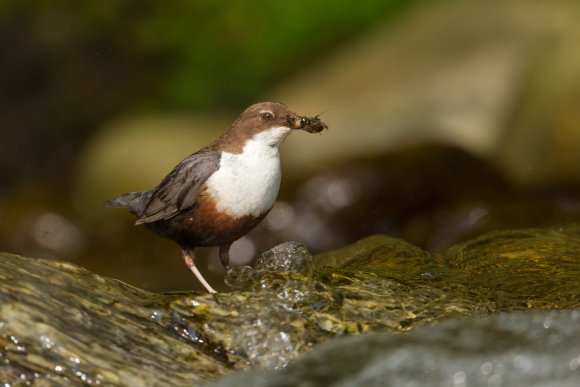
<point>247,183</point>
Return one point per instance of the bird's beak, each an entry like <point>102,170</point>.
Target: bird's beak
<point>309,124</point>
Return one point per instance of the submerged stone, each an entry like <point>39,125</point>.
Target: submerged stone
<point>508,349</point>
<point>62,324</point>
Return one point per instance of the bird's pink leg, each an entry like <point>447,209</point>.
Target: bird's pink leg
<point>189,257</point>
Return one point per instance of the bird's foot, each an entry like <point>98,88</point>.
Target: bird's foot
<point>188,257</point>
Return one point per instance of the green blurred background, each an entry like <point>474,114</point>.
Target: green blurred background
<point>442,115</point>
<point>70,67</point>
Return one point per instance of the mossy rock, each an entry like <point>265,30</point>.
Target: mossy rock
<point>62,324</point>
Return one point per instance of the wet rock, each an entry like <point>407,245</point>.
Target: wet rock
<point>62,324</point>
<point>509,349</point>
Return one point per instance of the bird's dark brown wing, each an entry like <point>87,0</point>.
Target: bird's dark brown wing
<point>180,188</point>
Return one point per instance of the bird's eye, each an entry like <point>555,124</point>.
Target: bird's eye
<point>267,116</point>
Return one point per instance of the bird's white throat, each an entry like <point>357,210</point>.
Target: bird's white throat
<point>247,183</point>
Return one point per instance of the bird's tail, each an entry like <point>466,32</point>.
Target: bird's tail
<point>134,202</point>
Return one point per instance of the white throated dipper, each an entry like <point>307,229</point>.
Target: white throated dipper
<point>219,193</point>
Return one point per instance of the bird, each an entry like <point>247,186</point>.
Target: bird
<point>221,192</point>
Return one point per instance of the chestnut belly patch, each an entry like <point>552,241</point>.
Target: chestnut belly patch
<point>204,225</point>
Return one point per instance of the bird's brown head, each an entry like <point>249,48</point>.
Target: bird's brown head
<point>267,116</point>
